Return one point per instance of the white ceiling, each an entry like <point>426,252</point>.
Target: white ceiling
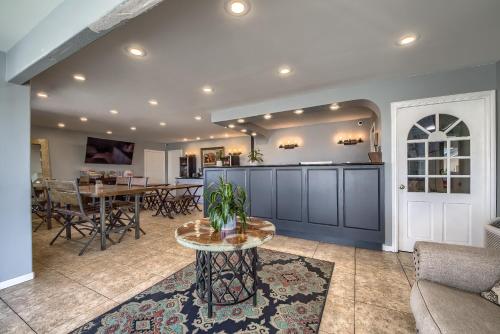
<point>193,43</point>
<point>18,17</point>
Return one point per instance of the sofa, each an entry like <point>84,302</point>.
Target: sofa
<point>445,297</point>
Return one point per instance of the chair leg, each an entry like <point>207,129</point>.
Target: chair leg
<point>57,235</point>
<point>88,243</point>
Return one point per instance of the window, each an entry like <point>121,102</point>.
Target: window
<point>438,154</point>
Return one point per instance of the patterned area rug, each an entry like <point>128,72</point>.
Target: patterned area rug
<point>291,297</point>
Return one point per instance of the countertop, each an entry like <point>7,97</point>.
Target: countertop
<point>308,165</point>
<point>188,178</point>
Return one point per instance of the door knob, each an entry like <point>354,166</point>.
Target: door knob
<point>402,186</point>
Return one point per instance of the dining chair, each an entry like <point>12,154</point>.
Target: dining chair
<point>123,181</point>
<point>39,203</point>
<point>84,180</point>
<point>67,201</point>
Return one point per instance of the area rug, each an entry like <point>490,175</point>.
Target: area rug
<point>291,297</point>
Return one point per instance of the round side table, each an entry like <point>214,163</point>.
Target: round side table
<point>226,261</point>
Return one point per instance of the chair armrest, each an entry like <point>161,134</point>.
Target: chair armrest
<point>467,268</point>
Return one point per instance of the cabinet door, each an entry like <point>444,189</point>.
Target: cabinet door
<point>238,178</point>
<point>261,193</point>
<point>289,194</point>
<point>322,198</point>
<point>211,181</point>
<point>362,199</point>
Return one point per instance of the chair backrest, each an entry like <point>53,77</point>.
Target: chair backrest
<point>122,181</point>
<point>139,181</point>
<point>64,193</point>
<point>84,180</point>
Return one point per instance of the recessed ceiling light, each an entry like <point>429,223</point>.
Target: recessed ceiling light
<point>198,118</point>
<point>334,106</point>
<point>185,139</point>
<point>284,70</point>
<point>268,116</point>
<point>113,111</point>
<point>237,7</point>
<point>79,77</point>
<point>407,39</point>
<point>136,51</point>
<point>243,130</point>
<point>198,138</point>
<point>241,120</point>
<point>212,137</point>
<point>133,128</point>
<point>226,135</point>
<point>61,125</point>
<point>207,89</point>
<point>298,111</point>
<point>83,119</point>
<point>231,126</point>
<point>43,95</point>
<point>163,123</point>
<point>153,102</point>
<point>109,132</point>
<point>254,134</point>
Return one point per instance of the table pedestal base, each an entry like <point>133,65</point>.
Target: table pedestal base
<point>226,278</point>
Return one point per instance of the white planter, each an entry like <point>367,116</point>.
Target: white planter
<point>218,163</point>
<point>230,225</point>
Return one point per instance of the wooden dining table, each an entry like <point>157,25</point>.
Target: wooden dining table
<point>165,193</point>
<point>104,192</point>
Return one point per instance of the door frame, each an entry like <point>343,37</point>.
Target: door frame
<point>489,101</point>
<point>164,162</point>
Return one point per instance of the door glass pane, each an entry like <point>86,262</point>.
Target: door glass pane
<point>416,185</point>
<point>428,123</point>
<point>460,166</point>
<point>460,148</point>
<point>445,121</point>
<point>460,130</point>
<point>437,167</point>
<point>416,133</point>
<point>437,149</point>
<point>416,150</point>
<point>438,185</point>
<point>416,167</point>
<point>460,185</point>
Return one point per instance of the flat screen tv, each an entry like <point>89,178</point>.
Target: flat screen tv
<point>105,151</point>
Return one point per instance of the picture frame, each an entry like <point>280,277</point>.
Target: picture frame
<point>209,155</point>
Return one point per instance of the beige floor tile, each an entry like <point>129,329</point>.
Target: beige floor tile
<point>410,274</point>
<point>338,316</point>
<point>406,258</point>
<point>342,285</point>
<point>11,322</point>
<point>376,320</point>
<point>289,245</point>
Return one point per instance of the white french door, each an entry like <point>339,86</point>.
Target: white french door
<point>444,163</point>
<point>154,166</point>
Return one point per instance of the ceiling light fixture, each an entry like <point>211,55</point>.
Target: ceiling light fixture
<point>109,132</point>
<point>231,126</point>
<point>198,118</point>
<point>79,77</point>
<point>198,138</point>
<point>43,95</point>
<point>207,90</point>
<point>334,106</point>
<point>244,130</point>
<point>226,135</point>
<point>268,116</point>
<point>298,112</point>
<point>153,102</point>
<point>83,119</point>
<point>241,120</point>
<point>185,139</point>
<point>284,70</point>
<point>237,7</point>
<point>136,51</point>
<point>113,111</point>
<point>163,123</point>
<point>212,137</point>
<point>61,125</point>
<point>254,134</point>
<point>133,128</point>
<point>407,39</point>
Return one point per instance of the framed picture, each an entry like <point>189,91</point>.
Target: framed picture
<point>209,155</point>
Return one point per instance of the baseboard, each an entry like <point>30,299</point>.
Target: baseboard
<point>16,280</point>
<point>388,248</point>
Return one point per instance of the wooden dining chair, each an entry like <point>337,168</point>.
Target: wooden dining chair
<point>40,204</point>
<point>67,201</point>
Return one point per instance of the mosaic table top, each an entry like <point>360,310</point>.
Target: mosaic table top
<point>200,235</point>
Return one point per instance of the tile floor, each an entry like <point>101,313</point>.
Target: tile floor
<point>369,292</point>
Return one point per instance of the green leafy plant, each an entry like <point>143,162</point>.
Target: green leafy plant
<point>255,156</point>
<point>226,203</point>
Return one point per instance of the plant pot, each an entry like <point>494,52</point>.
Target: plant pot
<point>230,225</point>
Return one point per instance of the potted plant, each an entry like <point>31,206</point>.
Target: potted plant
<point>218,162</point>
<point>225,204</point>
<point>255,157</point>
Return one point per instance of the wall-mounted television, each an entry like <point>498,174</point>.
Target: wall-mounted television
<point>106,151</point>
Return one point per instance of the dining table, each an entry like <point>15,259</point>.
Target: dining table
<point>166,195</point>
<point>108,192</point>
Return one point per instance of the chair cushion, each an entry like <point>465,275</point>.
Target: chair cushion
<point>441,309</point>
<point>493,295</point>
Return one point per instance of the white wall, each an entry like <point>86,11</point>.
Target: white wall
<point>67,152</point>
<point>317,142</point>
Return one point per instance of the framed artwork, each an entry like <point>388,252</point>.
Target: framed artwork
<point>209,155</point>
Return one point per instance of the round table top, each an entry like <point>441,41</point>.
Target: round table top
<point>201,236</point>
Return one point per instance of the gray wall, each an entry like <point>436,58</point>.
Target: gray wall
<point>382,93</point>
<point>67,152</point>
<point>317,142</point>
<point>15,188</point>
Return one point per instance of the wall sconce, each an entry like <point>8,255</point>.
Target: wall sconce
<point>288,146</point>
<point>349,141</point>
<point>235,152</point>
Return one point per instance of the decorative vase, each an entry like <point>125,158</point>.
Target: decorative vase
<point>230,225</point>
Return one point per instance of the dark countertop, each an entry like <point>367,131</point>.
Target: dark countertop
<point>188,178</point>
<point>309,165</point>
